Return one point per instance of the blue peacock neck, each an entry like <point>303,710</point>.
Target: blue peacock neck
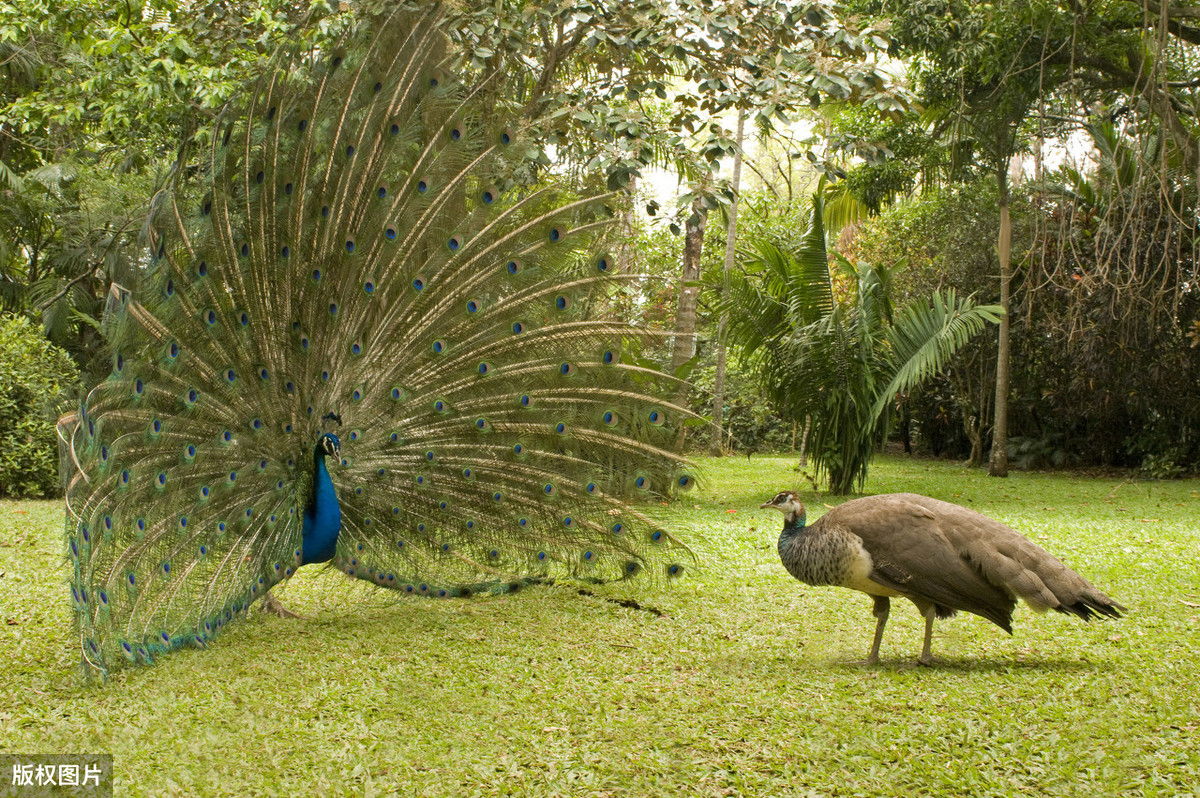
<point>323,516</point>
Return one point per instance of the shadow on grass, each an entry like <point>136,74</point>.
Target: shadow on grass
<point>785,667</point>
<point>974,665</point>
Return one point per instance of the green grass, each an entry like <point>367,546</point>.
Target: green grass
<point>748,684</point>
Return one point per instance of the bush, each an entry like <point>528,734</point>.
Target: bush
<point>37,380</point>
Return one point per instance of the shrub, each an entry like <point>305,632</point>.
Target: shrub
<point>37,380</point>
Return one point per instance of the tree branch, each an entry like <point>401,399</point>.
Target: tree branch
<point>91,270</point>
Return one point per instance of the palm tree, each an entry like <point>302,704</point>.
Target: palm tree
<point>831,347</point>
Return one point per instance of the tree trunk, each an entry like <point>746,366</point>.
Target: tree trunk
<point>998,465</point>
<point>624,250</point>
<point>684,345</point>
<point>718,406</point>
<point>804,442</point>
<point>971,397</point>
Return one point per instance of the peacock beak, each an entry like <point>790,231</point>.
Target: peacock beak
<point>765,505</point>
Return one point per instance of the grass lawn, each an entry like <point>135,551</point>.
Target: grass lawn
<point>741,681</point>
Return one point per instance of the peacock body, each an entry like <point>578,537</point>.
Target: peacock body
<point>364,336</point>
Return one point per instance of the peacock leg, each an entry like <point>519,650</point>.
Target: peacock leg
<point>883,605</point>
<point>275,607</point>
<point>926,653</point>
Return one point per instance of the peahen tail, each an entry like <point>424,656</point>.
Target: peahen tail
<point>362,318</point>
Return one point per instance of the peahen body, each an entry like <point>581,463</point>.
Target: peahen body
<point>364,336</point>
<point>941,556</point>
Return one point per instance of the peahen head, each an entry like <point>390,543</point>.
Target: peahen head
<point>328,445</point>
<point>787,502</point>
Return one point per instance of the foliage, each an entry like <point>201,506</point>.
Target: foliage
<point>608,88</point>
<point>67,232</point>
<point>121,81</point>
<point>1114,268</point>
<point>94,101</point>
<point>36,380</point>
<point>754,424</point>
<point>994,59</point>
<point>946,236</point>
<point>882,159</point>
<point>834,349</point>
<point>994,77</point>
<point>618,86</point>
<point>751,422</point>
<point>548,692</point>
<point>939,234</point>
<point>1103,369</point>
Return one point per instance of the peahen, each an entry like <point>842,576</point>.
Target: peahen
<point>940,556</point>
<point>366,335</point>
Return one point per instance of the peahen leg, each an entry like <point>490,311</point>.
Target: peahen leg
<point>883,606</point>
<point>926,654</point>
<point>275,607</point>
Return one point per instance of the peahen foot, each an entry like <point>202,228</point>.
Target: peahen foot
<point>275,607</point>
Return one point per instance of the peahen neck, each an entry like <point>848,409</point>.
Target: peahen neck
<point>793,524</point>
<point>323,517</point>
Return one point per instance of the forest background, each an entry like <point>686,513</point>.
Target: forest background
<point>879,161</point>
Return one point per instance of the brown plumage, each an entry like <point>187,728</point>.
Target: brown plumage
<point>942,557</point>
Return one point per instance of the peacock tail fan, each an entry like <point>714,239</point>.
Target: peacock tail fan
<point>354,253</point>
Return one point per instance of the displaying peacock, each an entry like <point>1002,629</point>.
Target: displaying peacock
<point>365,335</point>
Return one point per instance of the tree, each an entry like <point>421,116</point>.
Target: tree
<point>938,233</point>
<point>981,88</point>
<point>121,82</point>
<point>609,87</point>
<point>36,383</point>
<point>67,232</point>
<point>997,74</point>
<point>94,101</point>
<point>831,345</point>
<point>619,86</point>
<point>683,348</point>
<point>716,445</point>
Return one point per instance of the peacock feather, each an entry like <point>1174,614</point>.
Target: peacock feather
<point>363,336</point>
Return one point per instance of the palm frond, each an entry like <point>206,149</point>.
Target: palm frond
<point>810,285</point>
<point>842,208</point>
<point>924,338</point>
<point>10,179</point>
<point>777,291</point>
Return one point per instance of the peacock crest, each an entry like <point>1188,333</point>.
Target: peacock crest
<point>356,310</point>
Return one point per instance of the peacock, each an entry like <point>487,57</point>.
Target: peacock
<point>366,336</point>
<point>941,556</point>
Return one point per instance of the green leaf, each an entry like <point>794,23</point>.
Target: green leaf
<point>924,338</point>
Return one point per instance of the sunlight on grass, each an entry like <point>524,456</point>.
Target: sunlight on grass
<point>746,684</point>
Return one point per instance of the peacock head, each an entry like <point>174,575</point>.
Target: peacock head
<point>328,445</point>
<point>787,502</point>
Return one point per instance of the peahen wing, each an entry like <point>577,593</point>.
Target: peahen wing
<point>360,246</point>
